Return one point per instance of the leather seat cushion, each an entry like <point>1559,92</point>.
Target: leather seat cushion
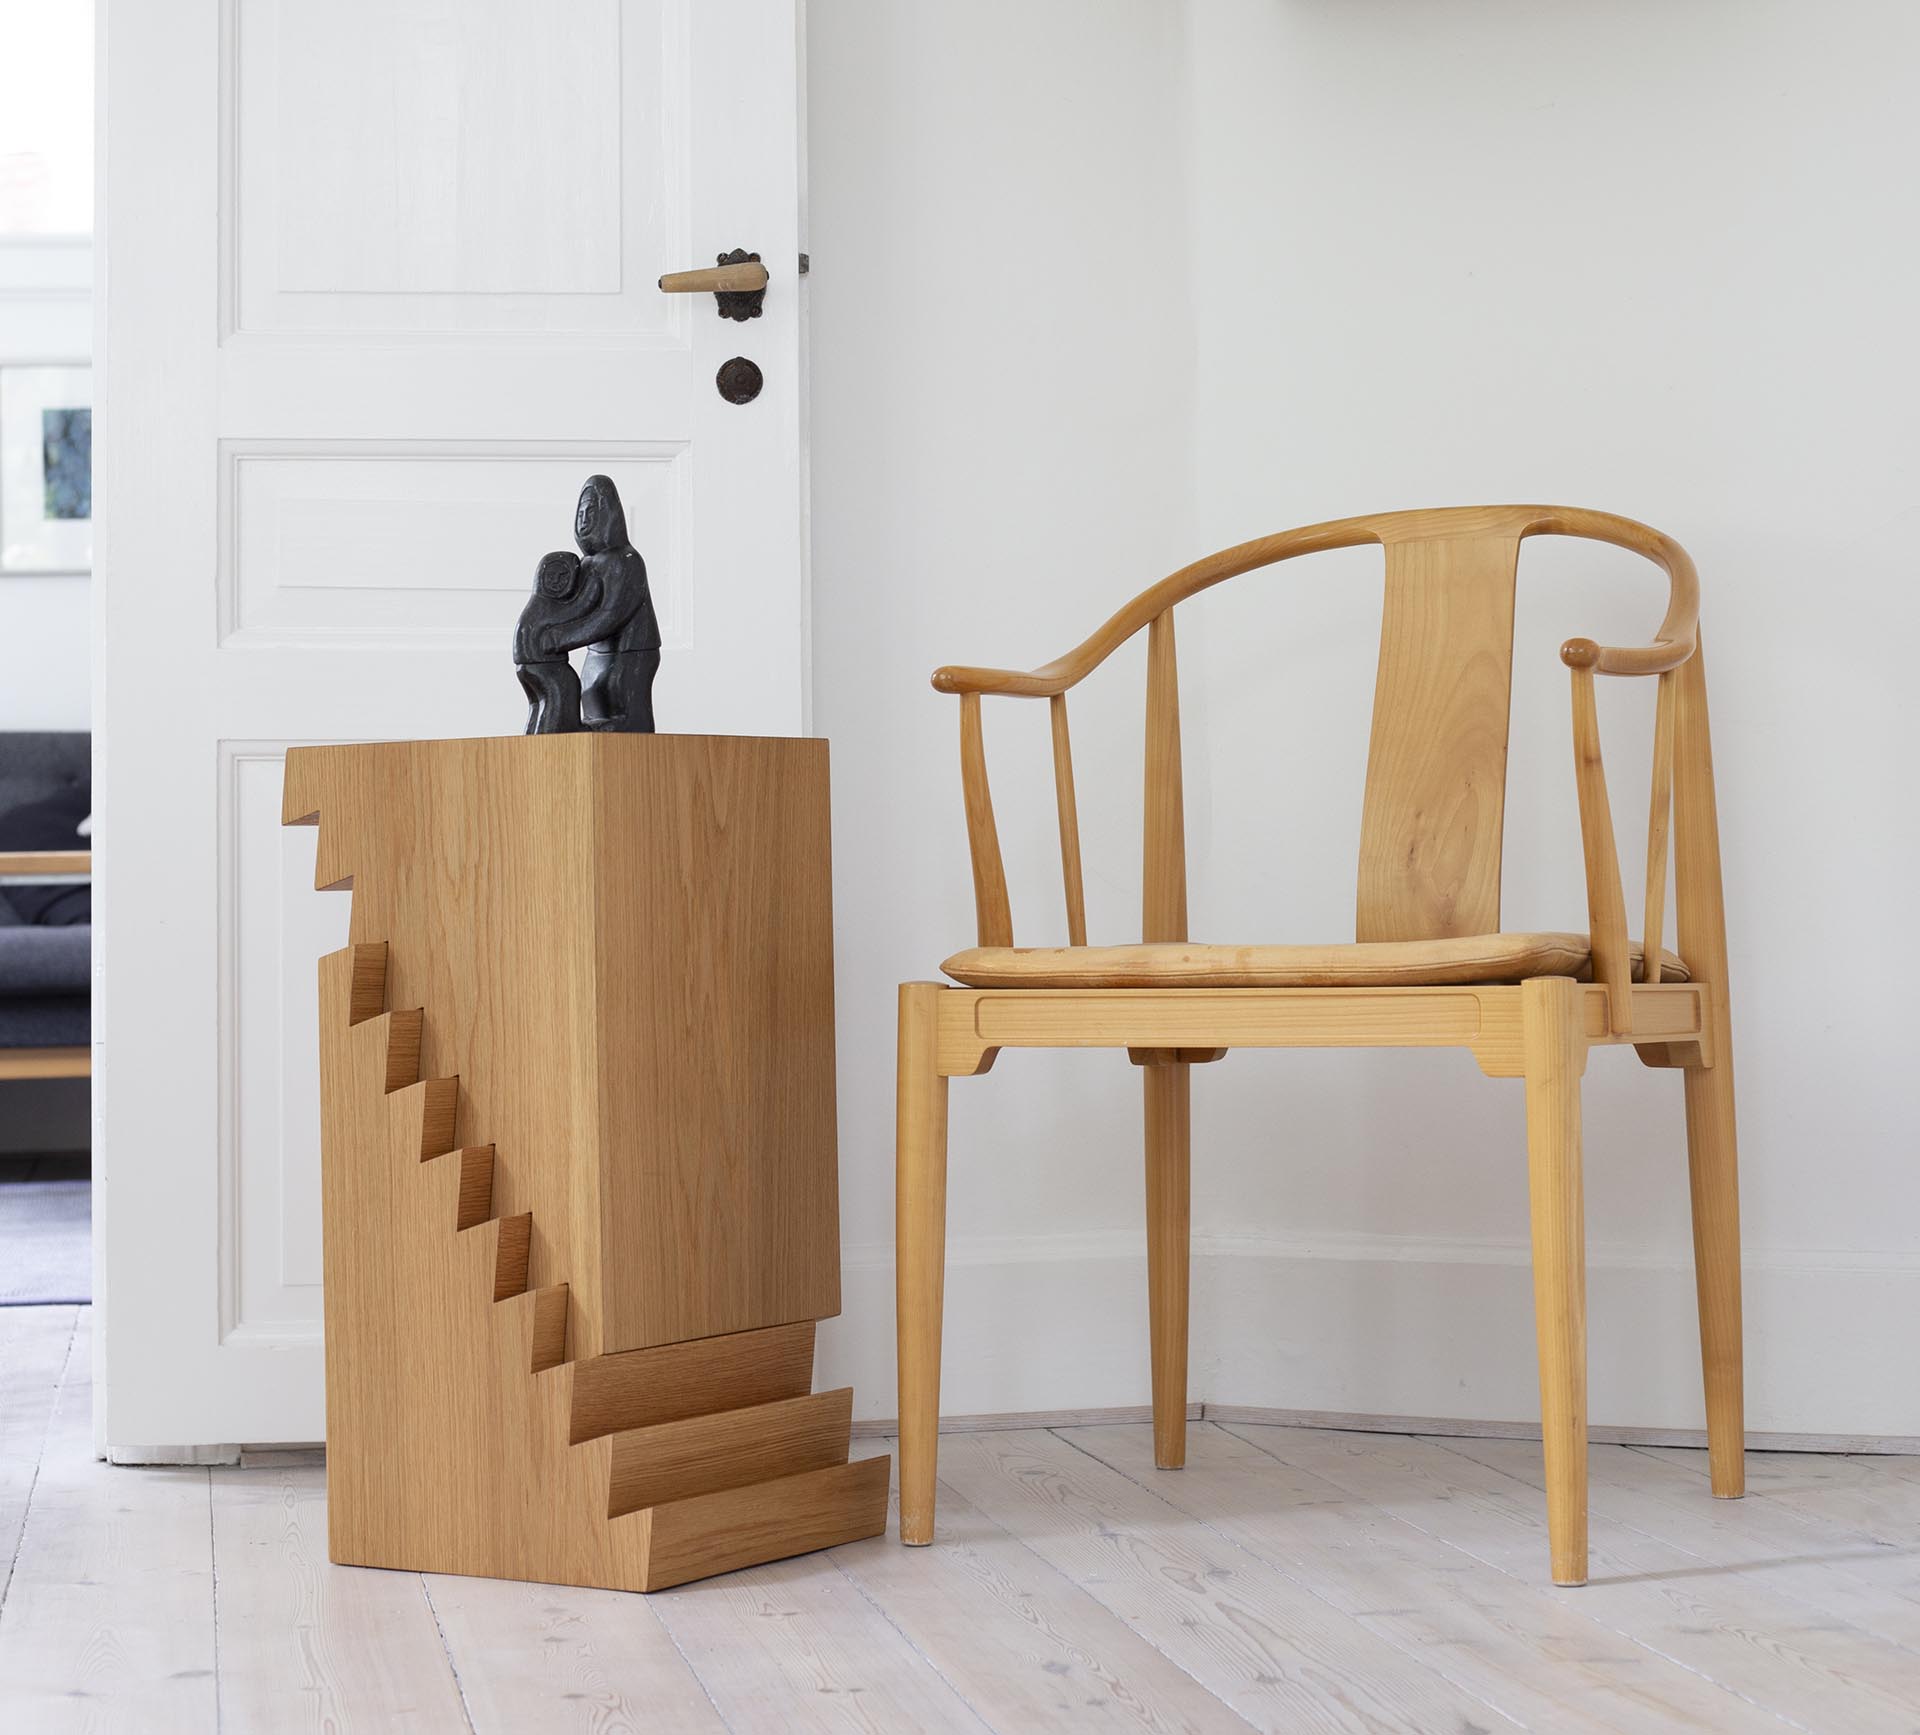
<point>1480,958</point>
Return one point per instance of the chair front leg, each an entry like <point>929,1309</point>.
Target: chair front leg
<point>1556,1056</point>
<point>920,1251</point>
<point>1169,1240</point>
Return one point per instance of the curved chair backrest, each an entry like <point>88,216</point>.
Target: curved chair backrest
<point>1432,821</point>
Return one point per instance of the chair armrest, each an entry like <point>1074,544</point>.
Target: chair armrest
<point>1654,659</point>
<point>1041,683</point>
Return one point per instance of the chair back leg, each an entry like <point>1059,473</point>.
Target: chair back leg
<point>1556,1056</point>
<point>1713,1173</point>
<point>1169,1241</point>
<point>920,1251</point>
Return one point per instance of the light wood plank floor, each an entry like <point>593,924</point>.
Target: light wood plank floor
<point>1288,1579</point>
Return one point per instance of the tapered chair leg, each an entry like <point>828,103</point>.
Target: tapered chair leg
<point>1713,1171</point>
<point>1556,1056</point>
<point>920,1251</point>
<point>1169,1191</point>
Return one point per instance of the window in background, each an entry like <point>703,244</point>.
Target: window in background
<point>46,117</point>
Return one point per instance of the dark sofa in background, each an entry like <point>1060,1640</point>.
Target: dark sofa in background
<point>46,935</point>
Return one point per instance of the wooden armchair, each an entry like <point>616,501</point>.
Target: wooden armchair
<point>1430,966</point>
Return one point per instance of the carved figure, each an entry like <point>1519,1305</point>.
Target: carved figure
<point>597,599</point>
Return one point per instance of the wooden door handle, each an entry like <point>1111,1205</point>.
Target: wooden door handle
<point>717,280</point>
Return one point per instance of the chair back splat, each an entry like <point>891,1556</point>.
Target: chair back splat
<point>1437,760</point>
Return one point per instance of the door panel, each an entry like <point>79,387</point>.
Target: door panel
<point>348,542</point>
<point>378,293</point>
<point>416,165</point>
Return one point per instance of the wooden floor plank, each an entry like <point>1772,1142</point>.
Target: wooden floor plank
<point>34,1344</point>
<point>1029,1649</point>
<point>1751,1539</point>
<point>795,1646</point>
<point>1512,1644</point>
<point>565,1661</point>
<point>1806,1668</point>
<point>108,1621</point>
<point>306,1645</point>
<point>1274,1651</point>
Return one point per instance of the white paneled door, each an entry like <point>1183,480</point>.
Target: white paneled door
<point>378,294</point>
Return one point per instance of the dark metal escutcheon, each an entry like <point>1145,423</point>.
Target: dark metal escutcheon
<point>741,304</point>
<point>739,380</point>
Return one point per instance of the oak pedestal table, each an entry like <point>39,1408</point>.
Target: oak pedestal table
<point>579,1157</point>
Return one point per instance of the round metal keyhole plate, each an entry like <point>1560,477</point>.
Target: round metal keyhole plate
<point>739,380</point>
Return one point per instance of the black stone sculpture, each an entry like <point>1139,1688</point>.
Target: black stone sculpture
<point>597,598</point>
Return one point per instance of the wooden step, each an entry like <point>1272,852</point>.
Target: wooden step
<point>728,1449</point>
<point>402,1031</point>
<point>367,989</point>
<point>476,1185</point>
<point>689,1539</point>
<point>542,1325</point>
<point>430,1105</point>
<point>638,1388</point>
<point>513,1250</point>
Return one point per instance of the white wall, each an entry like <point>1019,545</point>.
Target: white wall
<point>1641,258</point>
<point>1098,287</point>
<point>1002,363</point>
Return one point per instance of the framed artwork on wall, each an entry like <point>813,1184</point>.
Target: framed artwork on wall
<point>46,469</point>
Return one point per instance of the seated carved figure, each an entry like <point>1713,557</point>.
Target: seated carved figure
<point>597,599</point>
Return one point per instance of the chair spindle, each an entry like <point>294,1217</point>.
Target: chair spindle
<point>1606,902</point>
<point>1164,875</point>
<point>993,914</point>
<point>1069,823</point>
<point>1659,825</point>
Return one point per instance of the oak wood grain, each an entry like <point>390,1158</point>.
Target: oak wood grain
<point>623,949</point>
<point>1435,804</point>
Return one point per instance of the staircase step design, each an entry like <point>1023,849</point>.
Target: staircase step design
<point>763,1521</point>
<point>367,991</point>
<point>476,1185</point>
<point>639,1387</point>
<point>512,1249</point>
<point>728,1449</point>
<point>403,1047</point>
<point>633,1470</point>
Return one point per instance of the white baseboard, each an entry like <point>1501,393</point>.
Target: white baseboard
<point>1445,1427</point>
<point>1425,1332</point>
<point>887,1426</point>
<point>1599,1433</point>
<point>173,1455</point>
